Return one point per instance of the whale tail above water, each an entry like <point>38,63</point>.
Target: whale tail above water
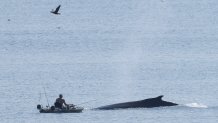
<point>56,10</point>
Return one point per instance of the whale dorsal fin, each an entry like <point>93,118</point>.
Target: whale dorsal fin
<point>159,97</point>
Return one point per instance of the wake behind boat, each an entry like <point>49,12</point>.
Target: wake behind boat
<point>53,109</point>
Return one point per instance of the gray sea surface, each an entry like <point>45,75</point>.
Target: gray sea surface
<point>100,52</point>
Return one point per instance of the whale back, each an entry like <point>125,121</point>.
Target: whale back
<point>146,103</point>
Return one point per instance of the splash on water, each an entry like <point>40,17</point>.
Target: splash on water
<point>196,105</point>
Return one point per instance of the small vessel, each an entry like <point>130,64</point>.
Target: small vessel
<point>53,109</point>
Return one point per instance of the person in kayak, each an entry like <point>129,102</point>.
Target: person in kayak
<point>60,102</point>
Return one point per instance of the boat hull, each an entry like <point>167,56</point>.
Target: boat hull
<point>77,110</point>
<point>52,109</point>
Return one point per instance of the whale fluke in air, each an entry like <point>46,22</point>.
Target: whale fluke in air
<point>56,10</point>
<point>146,103</point>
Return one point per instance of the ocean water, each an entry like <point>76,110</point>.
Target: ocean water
<point>100,52</point>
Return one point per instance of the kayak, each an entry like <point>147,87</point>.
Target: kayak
<point>52,109</point>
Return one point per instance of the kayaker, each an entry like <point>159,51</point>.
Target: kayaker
<point>60,102</point>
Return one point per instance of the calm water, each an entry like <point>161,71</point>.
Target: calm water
<point>105,52</point>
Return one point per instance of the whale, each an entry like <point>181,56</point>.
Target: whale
<point>56,10</point>
<point>146,103</point>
